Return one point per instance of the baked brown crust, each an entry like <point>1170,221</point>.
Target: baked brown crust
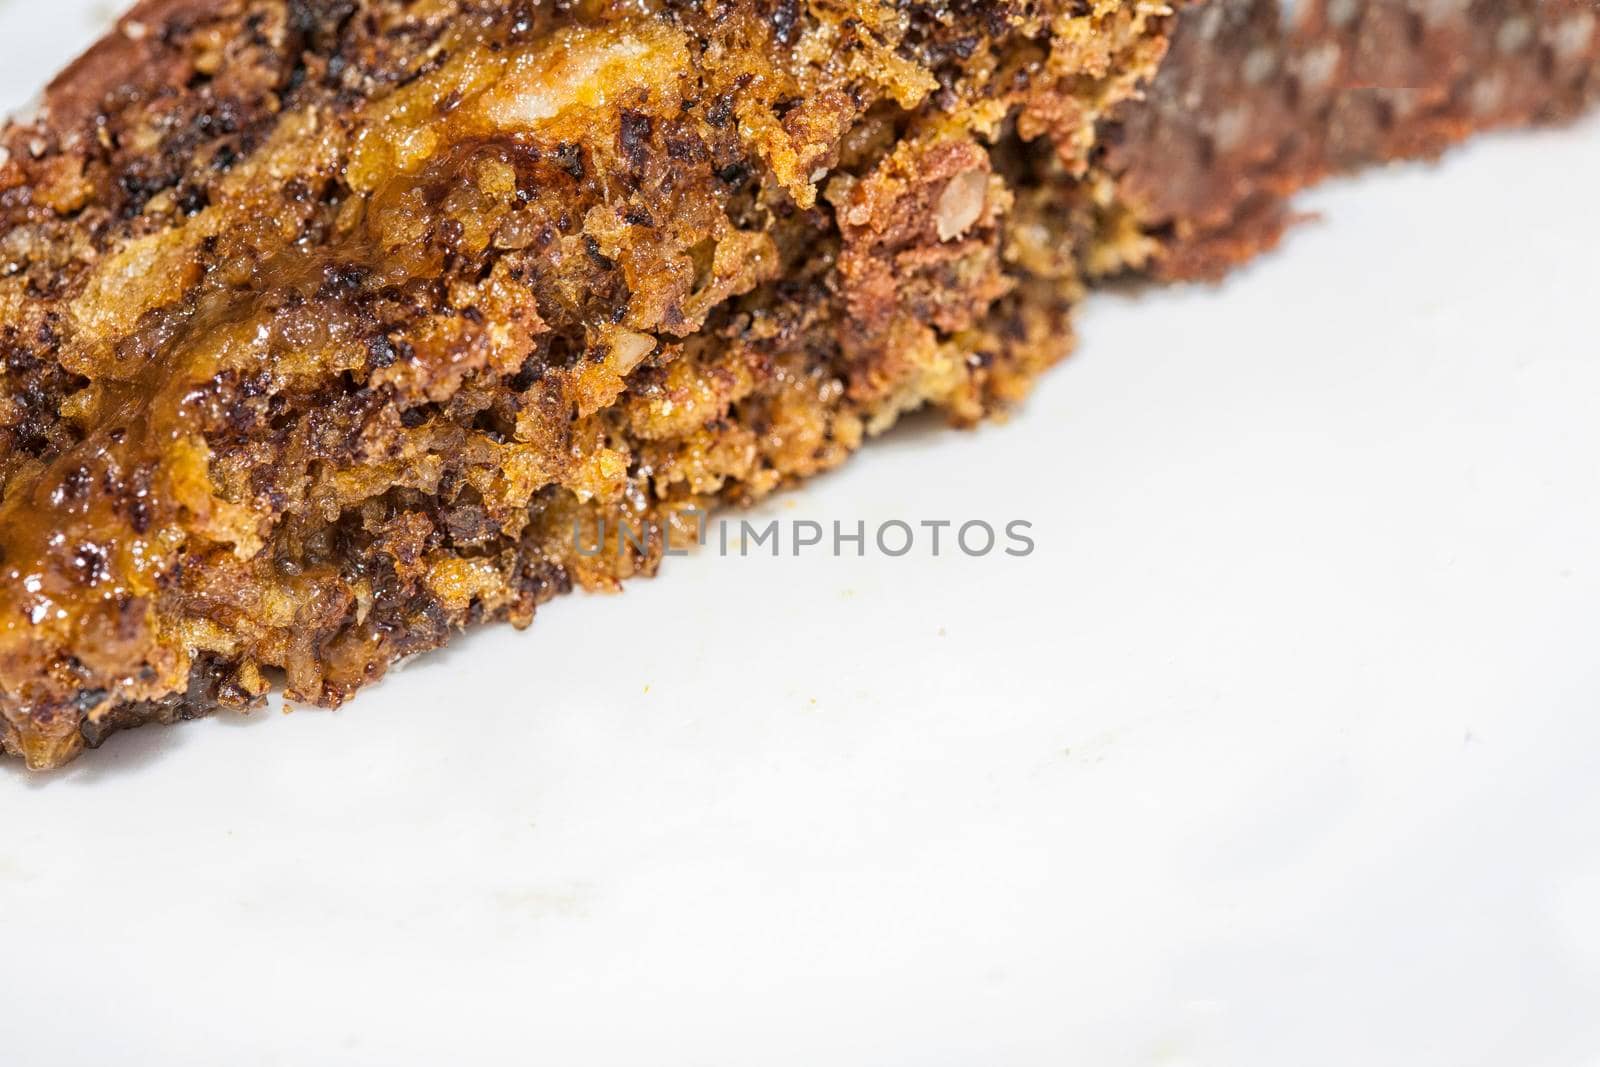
<point>1249,107</point>
<point>325,324</point>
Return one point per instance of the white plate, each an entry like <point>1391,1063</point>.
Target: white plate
<point>1281,749</point>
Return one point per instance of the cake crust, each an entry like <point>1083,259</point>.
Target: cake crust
<point>1249,108</point>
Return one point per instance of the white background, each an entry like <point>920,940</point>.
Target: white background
<point>1283,749</point>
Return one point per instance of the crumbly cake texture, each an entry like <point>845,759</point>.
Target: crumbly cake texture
<point>323,323</point>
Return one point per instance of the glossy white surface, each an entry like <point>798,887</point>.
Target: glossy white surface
<point>1282,748</point>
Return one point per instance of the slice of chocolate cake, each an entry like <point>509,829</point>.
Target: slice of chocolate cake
<point>324,324</point>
